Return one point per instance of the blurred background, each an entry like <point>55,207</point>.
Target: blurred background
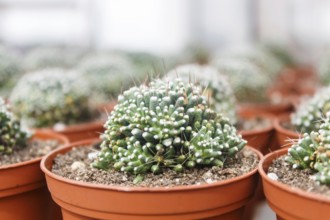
<point>167,27</point>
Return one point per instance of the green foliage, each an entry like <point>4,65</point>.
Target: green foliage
<point>10,70</point>
<point>215,87</point>
<point>308,117</point>
<point>248,81</point>
<point>165,125</point>
<point>12,137</point>
<point>50,96</point>
<point>313,151</point>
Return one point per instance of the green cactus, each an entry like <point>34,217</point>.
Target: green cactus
<point>51,96</point>
<point>248,81</point>
<point>108,75</point>
<point>215,86</point>
<point>12,137</point>
<point>308,117</point>
<point>313,151</point>
<point>165,125</point>
<point>10,71</point>
<point>323,68</point>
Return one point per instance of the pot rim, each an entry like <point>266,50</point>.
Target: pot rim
<point>278,126</point>
<point>284,187</point>
<point>38,132</point>
<point>68,147</point>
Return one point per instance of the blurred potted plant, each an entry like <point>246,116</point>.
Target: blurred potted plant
<point>307,117</point>
<point>56,100</point>
<point>256,129</point>
<point>165,154</point>
<point>22,184</point>
<point>298,177</point>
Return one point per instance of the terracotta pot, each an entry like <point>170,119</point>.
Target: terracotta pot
<point>284,135</point>
<point>79,200</point>
<point>291,203</point>
<point>274,109</point>
<point>259,138</point>
<point>23,191</point>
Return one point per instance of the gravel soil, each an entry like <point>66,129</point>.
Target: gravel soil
<point>35,148</point>
<point>296,177</point>
<point>76,165</point>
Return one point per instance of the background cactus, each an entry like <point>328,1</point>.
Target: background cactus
<point>47,97</point>
<point>308,117</point>
<point>214,85</point>
<point>313,151</point>
<point>108,75</point>
<point>165,125</point>
<point>10,71</point>
<point>12,137</point>
<point>323,68</point>
<point>248,81</point>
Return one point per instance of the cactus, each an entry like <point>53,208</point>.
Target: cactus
<point>12,137</point>
<point>323,68</point>
<point>166,125</point>
<point>308,116</point>
<point>248,81</point>
<point>108,75</point>
<point>50,96</point>
<point>10,71</point>
<point>313,151</point>
<point>214,85</point>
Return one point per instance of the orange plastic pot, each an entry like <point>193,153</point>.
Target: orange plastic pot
<point>274,109</point>
<point>23,191</point>
<point>79,200</point>
<point>291,203</point>
<point>284,136</point>
<point>258,138</point>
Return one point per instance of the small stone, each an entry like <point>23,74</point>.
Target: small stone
<point>59,127</point>
<point>77,165</point>
<point>92,155</point>
<point>247,153</point>
<point>272,176</point>
<point>209,180</point>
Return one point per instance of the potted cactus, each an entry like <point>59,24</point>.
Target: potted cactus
<point>306,118</point>
<point>257,130</point>
<point>298,177</point>
<point>162,156</point>
<point>57,100</point>
<point>22,184</point>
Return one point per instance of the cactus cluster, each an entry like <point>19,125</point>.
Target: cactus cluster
<point>313,151</point>
<point>108,75</point>
<point>308,117</point>
<point>165,125</point>
<point>215,86</point>
<point>51,96</point>
<point>248,81</point>
<point>12,137</point>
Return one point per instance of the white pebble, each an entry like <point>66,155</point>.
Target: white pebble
<point>209,180</point>
<point>77,165</point>
<point>92,155</point>
<point>273,176</point>
<point>59,127</point>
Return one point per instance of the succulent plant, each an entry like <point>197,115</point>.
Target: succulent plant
<point>215,86</point>
<point>12,136</point>
<point>248,81</point>
<point>313,151</point>
<point>10,70</point>
<point>51,96</point>
<point>266,61</point>
<point>108,75</point>
<point>280,52</point>
<point>166,125</point>
<point>308,117</point>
